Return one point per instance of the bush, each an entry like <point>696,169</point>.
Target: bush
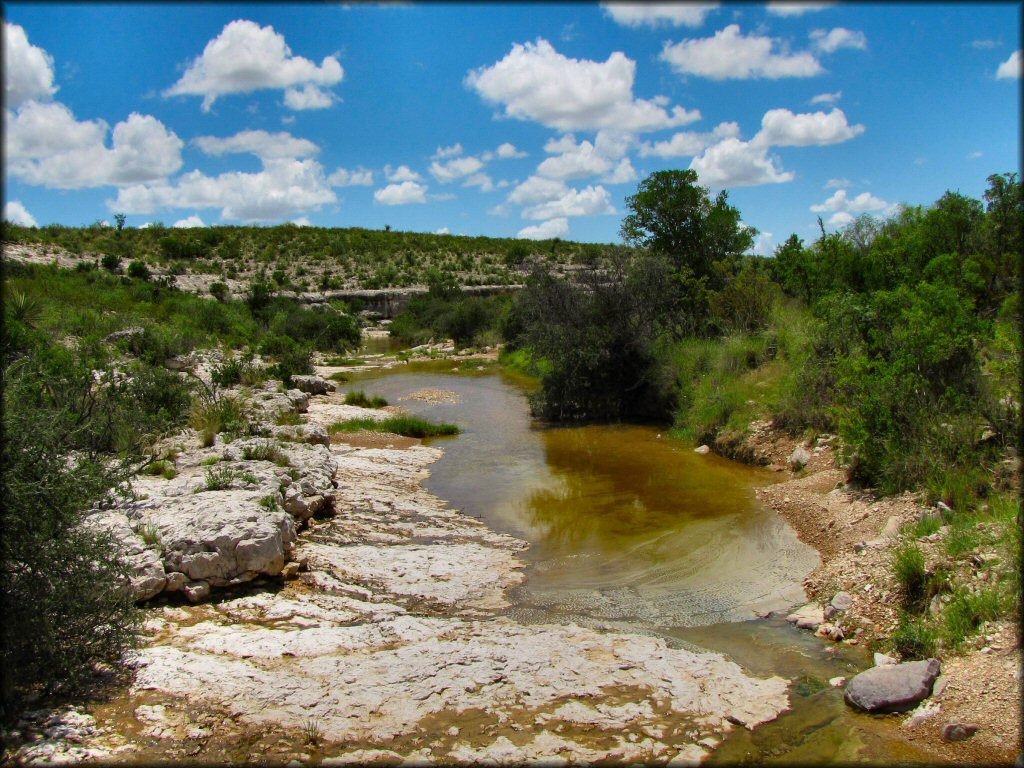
<point>138,270</point>
<point>226,415</point>
<point>111,262</point>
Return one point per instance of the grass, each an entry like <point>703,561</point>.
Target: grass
<point>908,567</point>
<point>164,469</point>
<point>968,611</point>
<point>311,730</point>
<point>916,637</point>
<point>209,462</point>
<point>343,361</point>
<point>358,397</point>
<point>269,503</point>
<point>265,450</point>
<point>926,526</point>
<point>338,376</point>
<point>219,479</point>
<point>409,426</point>
<point>212,417</point>
<point>150,535</point>
<point>288,418</point>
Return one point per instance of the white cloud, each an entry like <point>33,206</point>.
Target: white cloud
<point>689,143</point>
<point>623,173</point>
<point>191,221</point>
<point>482,180</point>
<point>246,57</point>
<point>16,213</point>
<point>795,9</point>
<point>308,96</point>
<point>442,152</point>
<point>401,194</point>
<point>442,231</point>
<point>45,145</point>
<point>730,54</point>
<point>537,189</point>
<point>974,155</point>
<point>302,221</point>
<point>508,151</point>
<point>284,187</point>
<point>837,183</point>
<point>456,168</point>
<point>535,82</point>
<point>260,143</point>
<point>546,230</point>
<point>781,128</point>
<point>840,37</point>
<point>1011,68</point>
<point>401,173</point>
<point>827,98</point>
<point>590,201</point>
<point>28,69</point>
<point>735,163</point>
<point>844,208</point>
<point>763,244</point>
<point>985,44</point>
<point>576,161</point>
<point>345,178</point>
<point>659,14</point>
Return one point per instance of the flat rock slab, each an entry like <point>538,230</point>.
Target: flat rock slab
<point>809,616</point>
<point>893,687</point>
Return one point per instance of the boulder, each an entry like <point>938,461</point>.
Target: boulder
<point>302,433</point>
<point>313,385</point>
<point>841,603</point>
<point>798,458</point>
<point>809,616</point>
<point>219,536</point>
<point>146,573</point>
<point>893,687</point>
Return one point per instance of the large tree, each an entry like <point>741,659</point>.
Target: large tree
<point>674,216</point>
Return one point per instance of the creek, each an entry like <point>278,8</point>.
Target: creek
<point>632,531</point>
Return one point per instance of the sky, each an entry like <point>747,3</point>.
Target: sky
<point>506,120</point>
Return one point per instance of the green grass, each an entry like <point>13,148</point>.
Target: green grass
<point>265,450</point>
<point>288,418</point>
<point>968,611</point>
<point>219,479</point>
<point>358,397</point>
<point>344,361</point>
<point>409,426</point>
<point>909,569</point>
<point>211,417</point>
<point>915,637</point>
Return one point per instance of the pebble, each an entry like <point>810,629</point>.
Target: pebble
<point>958,731</point>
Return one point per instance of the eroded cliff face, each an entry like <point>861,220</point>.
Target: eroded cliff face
<point>382,639</point>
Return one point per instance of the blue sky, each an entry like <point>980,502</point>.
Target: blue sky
<point>529,120</point>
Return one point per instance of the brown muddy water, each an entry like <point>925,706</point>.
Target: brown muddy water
<point>632,531</point>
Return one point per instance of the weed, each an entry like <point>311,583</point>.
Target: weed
<point>247,477</point>
<point>226,414</point>
<point>311,730</point>
<point>344,361</point>
<point>219,479</point>
<point>150,535</point>
<point>926,526</point>
<point>968,611</point>
<point>209,462</point>
<point>338,376</point>
<point>265,450</point>
<point>359,398</point>
<point>288,418</point>
<point>269,503</point>
<point>962,538</point>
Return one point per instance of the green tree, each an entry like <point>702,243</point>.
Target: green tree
<point>672,215</point>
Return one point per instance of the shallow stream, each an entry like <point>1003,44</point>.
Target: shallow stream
<point>632,531</point>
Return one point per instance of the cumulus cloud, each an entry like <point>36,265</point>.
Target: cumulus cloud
<point>442,231</point>
<point>844,209</point>
<point>188,223</point>
<point>1011,68</point>
<point>795,9</point>
<point>454,169</point>
<point>827,98</point>
<point>731,55</point>
<point>308,96</point>
<point>46,145</point>
<point>832,40</point>
<point>735,163</point>
<point>345,178</point>
<point>260,143</point>
<point>536,82</point>
<point>442,152</point>
<point>16,213</point>
<point>623,173</point>
<point>401,173</point>
<point>28,69</point>
<point>974,155</point>
<point>285,187</point>
<point>246,57</point>
<point>837,183</point>
<point>545,230</point>
<point>302,221</point>
<point>659,14</point>
<point>482,180</point>
<point>537,189</point>
<point>782,128</point>
<point>508,151</point>
<point>401,194</point>
<point>689,143</point>
<point>590,201</point>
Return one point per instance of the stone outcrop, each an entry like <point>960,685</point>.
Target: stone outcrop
<point>146,572</point>
<point>313,385</point>
<point>893,687</point>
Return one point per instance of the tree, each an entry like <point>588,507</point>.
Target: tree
<point>672,215</point>
<point>119,219</point>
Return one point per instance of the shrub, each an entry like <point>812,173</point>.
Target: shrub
<point>265,450</point>
<point>138,270</point>
<point>219,479</point>
<point>212,417</point>
<point>111,262</point>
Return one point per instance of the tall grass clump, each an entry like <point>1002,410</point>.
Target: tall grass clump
<point>359,398</point>
<point>909,568</point>
<point>226,415</point>
<point>408,426</point>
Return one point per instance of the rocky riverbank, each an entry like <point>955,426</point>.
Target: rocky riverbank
<point>311,602</point>
<point>973,714</point>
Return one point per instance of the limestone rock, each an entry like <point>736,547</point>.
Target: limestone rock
<point>313,385</point>
<point>219,536</point>
<point>809,616</point>
<point>893,687</point>
<point>891,528</point>
<point>958,731</point>
<point>702,449</point>
<point>798,458</point>
<point>882,660</point>
<point>146,573</point>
